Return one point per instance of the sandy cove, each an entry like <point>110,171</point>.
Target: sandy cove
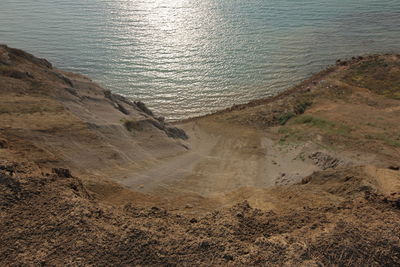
<point>308,177</point>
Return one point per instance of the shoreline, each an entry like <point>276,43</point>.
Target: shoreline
<point>307,82</point>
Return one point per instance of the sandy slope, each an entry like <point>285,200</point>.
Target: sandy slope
<point>309,177</point>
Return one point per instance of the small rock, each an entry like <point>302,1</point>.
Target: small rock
<point>193,220</point>
<point>204,245</point>
<point>228,257</point>
<point>397,204</point>
<point>395,168</point>
<point>143,108</point>
<point>3,144</point>
<point>63,173</point>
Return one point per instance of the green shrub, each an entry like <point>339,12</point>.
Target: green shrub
<point>301,107</point>
<point>282,119</point>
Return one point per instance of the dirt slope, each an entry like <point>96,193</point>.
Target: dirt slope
<point>307,178</point>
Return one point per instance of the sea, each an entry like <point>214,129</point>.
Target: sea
<point>186,58</point>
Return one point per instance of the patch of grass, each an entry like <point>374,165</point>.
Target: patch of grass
<point>289,135</point>
<point>301,106</point>
<point>384,138</point>
<point>283,118</point>
<point>328,126</point>
<point>4,68</point>
<point>369,136</point>
<point>314,121</point>
<point>396,95</point>
<point>377,75</point>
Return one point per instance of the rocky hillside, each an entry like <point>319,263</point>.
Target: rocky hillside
<point>76,122</point>
<point>307,178</point>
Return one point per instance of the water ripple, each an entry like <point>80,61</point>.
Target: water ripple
<point>189,57</point>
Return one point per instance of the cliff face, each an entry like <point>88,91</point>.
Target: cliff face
<point>307,178</point>
<point>68,120</point>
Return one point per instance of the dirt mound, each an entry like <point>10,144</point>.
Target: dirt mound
<point>50,219</point>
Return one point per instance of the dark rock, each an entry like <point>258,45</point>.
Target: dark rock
<point>326,161</point>
<point>204,245</point>
<point>397,204</point>
<point>239,215</point>
<point>17,74</point>
<point>143,108</point>
<point>20,75</point>
<point>193,220</point>
<point>228,257</point>
<point>176,133</point>
<point>185,146</point>
<point>173,132</point>
<point>8,168</point>
<point>3,144</point>
<point>62,173</point>
<point>108,94</point>
<point>11,183</point>
<point>395,168</point>
<point>115,98</point>
<point>122,109</point>
<point>72,91</point>
<point>136,125</point>
<point>61,77</point>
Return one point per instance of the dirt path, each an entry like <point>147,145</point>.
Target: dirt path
<point>221,160</point>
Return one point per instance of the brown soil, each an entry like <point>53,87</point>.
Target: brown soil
<point>307,178</point>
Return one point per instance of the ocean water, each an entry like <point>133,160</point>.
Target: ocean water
<point>185,58</point>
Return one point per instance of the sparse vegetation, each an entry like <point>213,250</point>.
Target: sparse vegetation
<point>289,134</point>
<point>384,137</point>
<point>4,68</point>
<point>378,75</point>
<point>329,127</point>
<point>282,119</point>
<point>301,107</point>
